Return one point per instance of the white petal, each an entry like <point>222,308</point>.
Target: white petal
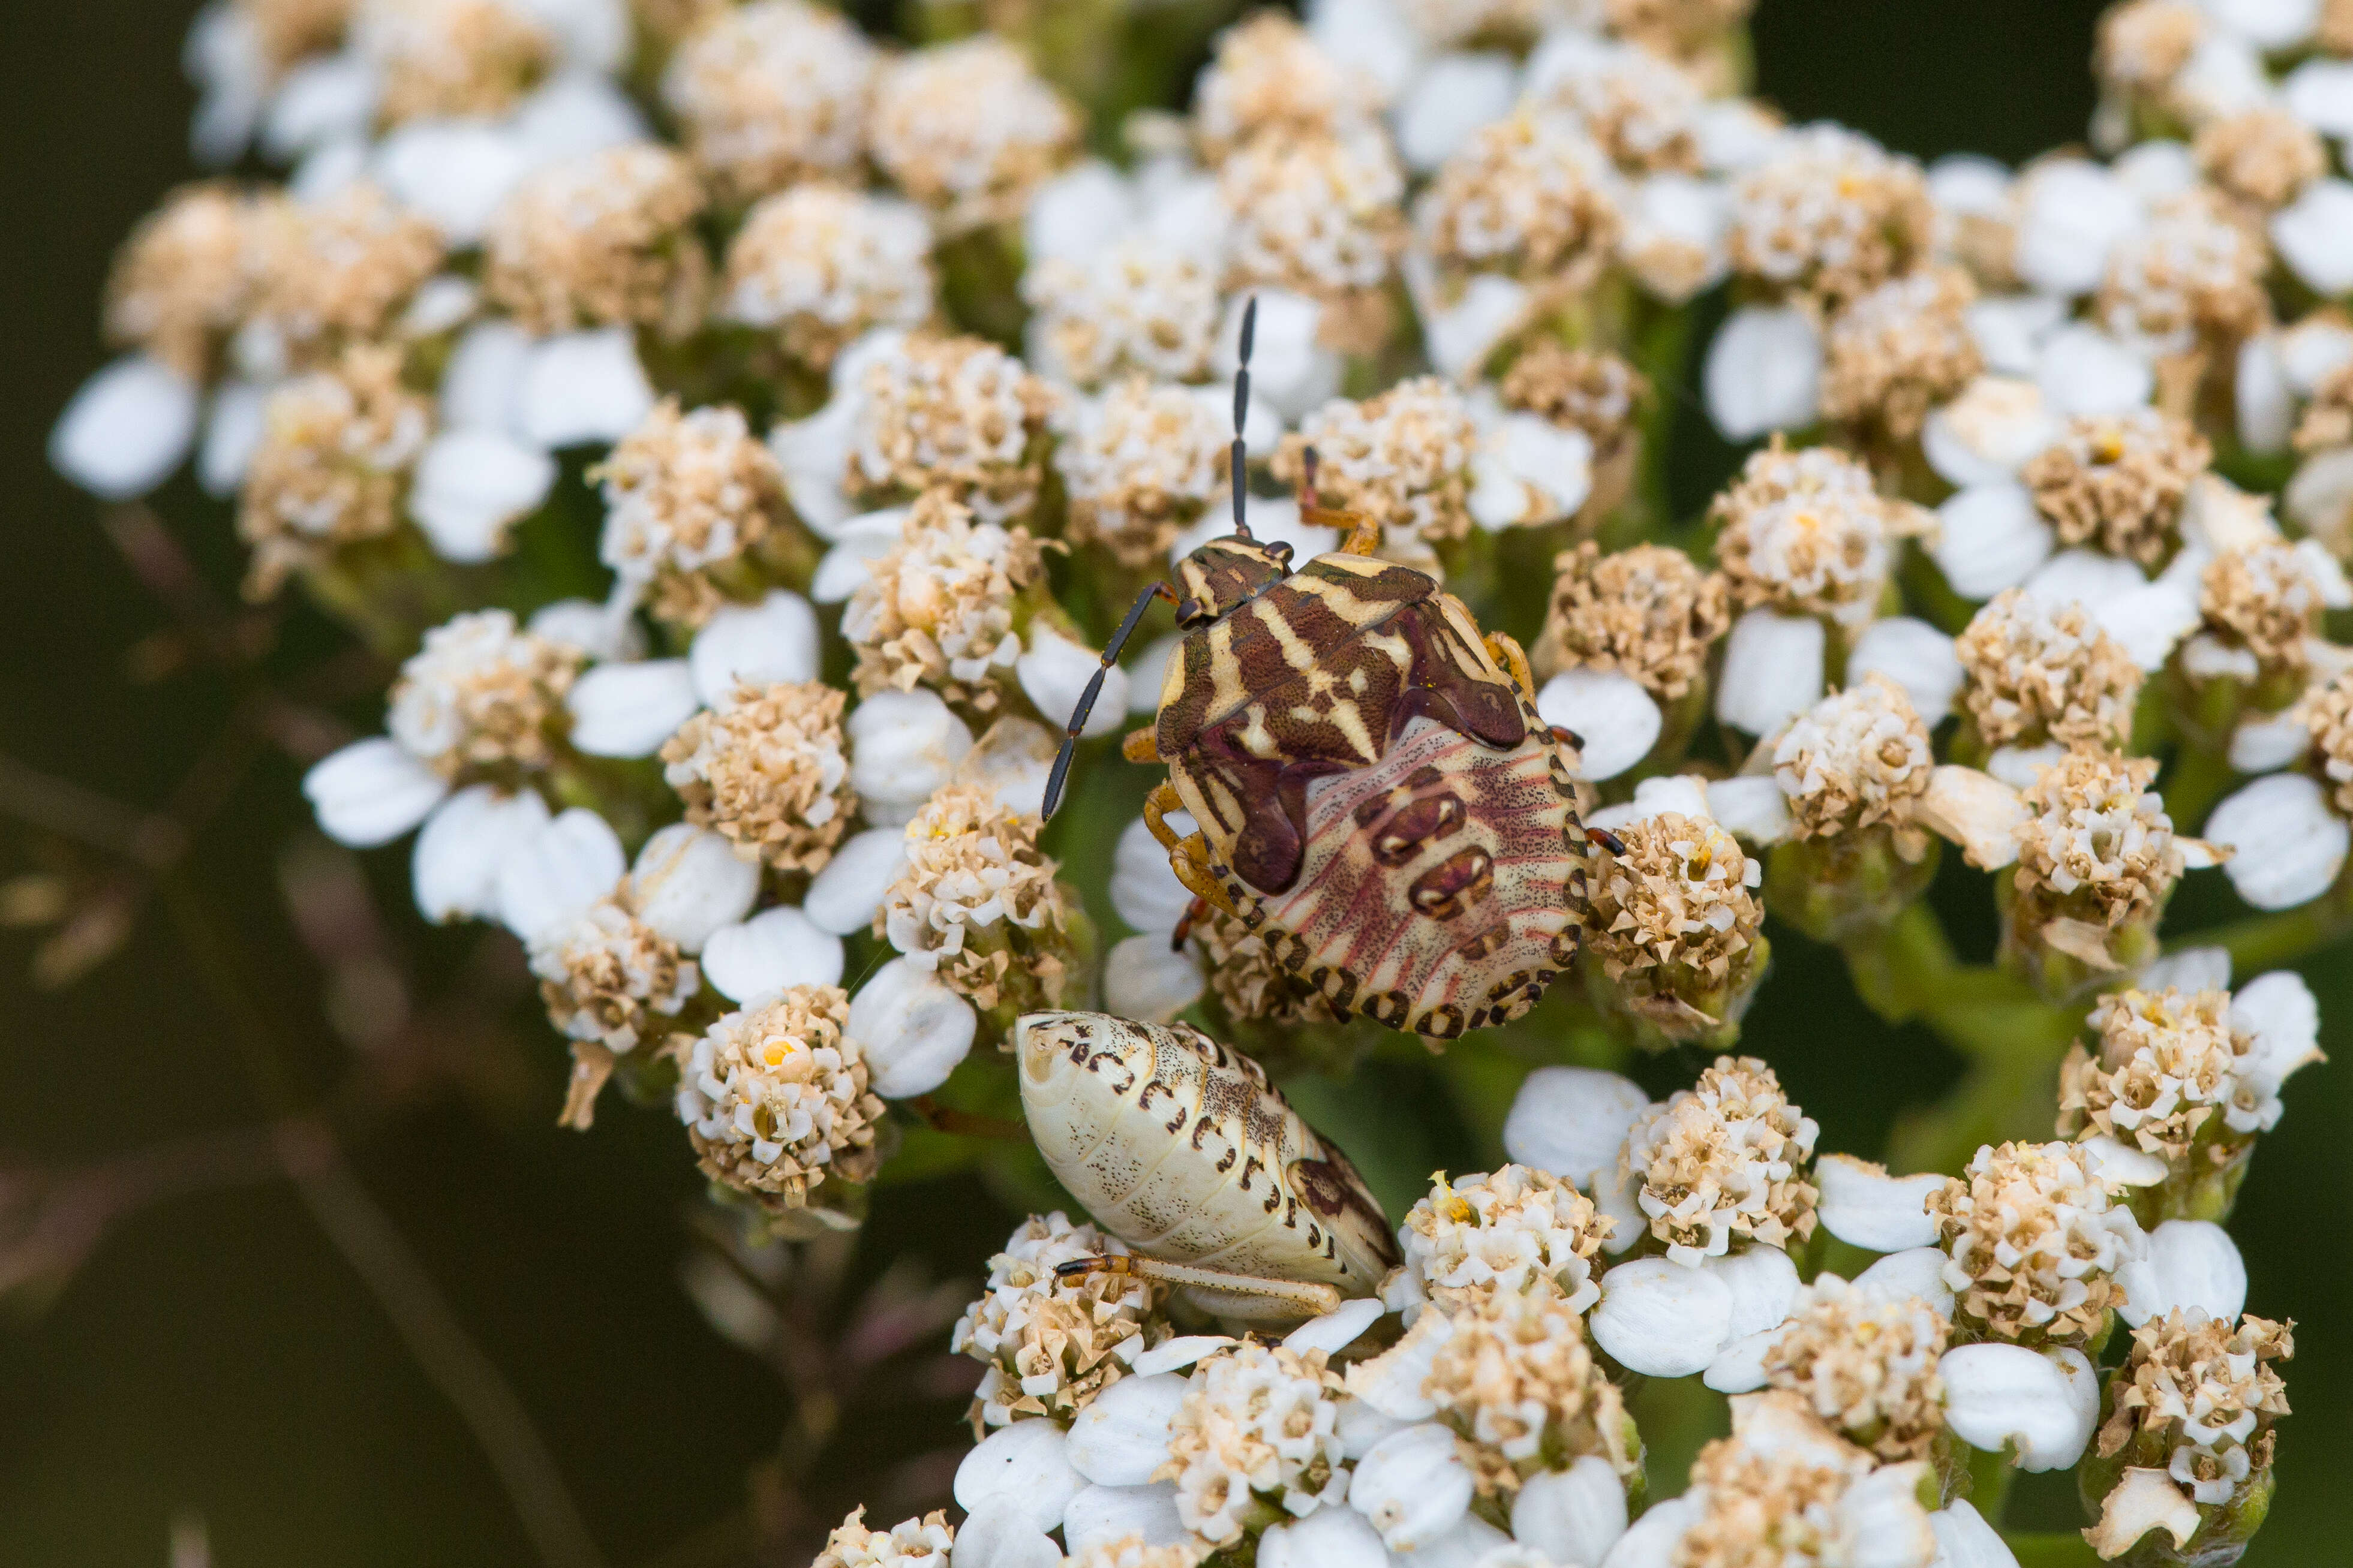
<point>1987,433</point>
<point>1990,537</point>
<point>1764,373</point>
<point>1772,671</point>
<point>2289,845</point>
<point>2075,212</point>
<point>843,897</point>
<point>1003,1532</point>
<point>772,951</point>
<point>1143,889</point>
<point>327,98</point>
<point>453,173</point>
<point>1175,1355</point>
<point>1753,807</point>
<point>1616,720</point>
<point>1288,368</point>
<point>1914,1271</point>
<point>1054,674</point>
<point>469,485</point>
<point>2120,1164</point>
<point>2192,1265</point>
<point>1529,454</point>
<point>1866,1208</point>
<point>2266,743</point>
<point>1453,96</point>
<point>1764,1286</point>
<point>2010,330</point>
<point>1916,656</point>
<point>1076,213</point>
<point>233,426</point>
<point>1996,1393</point>
<point>911,1028</point>
<point>1572,1121</point>
<point>2084,371</point>
<point>753,645</point>
<point>1683,794</point>
<point>1122,1437</point>
<point>902,746</point>
<point>1329,1538</point>
<point>2314,235</point>
<point>371,793</point>
<point>582,388</point>
<point>1025,1463</point>
<point>1464,1546</point>
<point>2280,1012</point>
<point>2262,402</point>
<point>600,631</point>
<point>2191,969</point>
<point>454,870</point>
<point>1335,1331</point>
<point>481,388</point>
<point>688,882</point>
<point>1145,979</point>
<point>1146,672</point>
<point>1963,1539</point>
<point>1574,1515</point>
<point>126,429</point>
<point>1651,1540</point>
<point>2151,619</point>
<point>2157,171</point>
<point>1012,761</point>
<point>2320,496</point>
<point>1662,1318</point>
<point>858,543</point>
<point>1412,1487</point>
<point>814,453</point>
<point>1739,1366</point>
<point>549,877</point>
<point>2141,1501</point>
<point>1101,1515</point>
<point>630,710</point>
<point>1976,811</point>
<point>1397,1382</point>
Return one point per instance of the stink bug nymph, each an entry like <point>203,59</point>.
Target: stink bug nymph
<point>1376,793</point>
<point>1185,1152</point>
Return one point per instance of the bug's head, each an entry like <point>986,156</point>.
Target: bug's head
<point>1226,573</point>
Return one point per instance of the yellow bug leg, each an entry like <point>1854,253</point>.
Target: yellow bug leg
<point>1506,652</point>
<point>1364,532</point>
<point>1281,1300</point>
<point>1188,856</point>
<point>1142,745</point>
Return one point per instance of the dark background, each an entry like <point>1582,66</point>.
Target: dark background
<point>214,1356</point>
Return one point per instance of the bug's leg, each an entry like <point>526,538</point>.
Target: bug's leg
<point>1602,839</point>
<point>1187,855</point>
<point>1282,1296</point>
<point>1078,724</point>
<point>1506,652</point>
<point>1142,745</point>
<point>1195,912</point>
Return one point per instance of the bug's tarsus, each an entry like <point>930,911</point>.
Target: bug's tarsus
<point>1195,913</point>
<point>1305,1297</point>
<point>1056,779</point>
<point>1606,840</point>
<point>1562,733</point>
<point>1238,464</point>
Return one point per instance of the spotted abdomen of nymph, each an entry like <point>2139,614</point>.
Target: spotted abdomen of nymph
<point>1440,886</point>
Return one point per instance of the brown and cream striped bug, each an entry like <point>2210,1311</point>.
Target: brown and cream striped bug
<point>1376,794</point>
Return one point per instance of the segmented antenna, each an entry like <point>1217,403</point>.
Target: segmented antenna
<point>1237,467</point>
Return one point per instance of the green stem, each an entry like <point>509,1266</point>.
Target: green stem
<point>2053,1549</point>
<point>2193,784</point>
<point>2275,940</point>
<point>1990,1472</point>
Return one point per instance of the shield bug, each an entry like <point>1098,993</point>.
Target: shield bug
<point>1184,1151</point>
<point>1375,791</point>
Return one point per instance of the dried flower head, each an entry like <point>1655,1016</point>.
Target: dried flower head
<point>2099,837</point>
<point>770,93</point>
<point>1866,1366</point>
<point>337,271</point>
<point>686,494</point>
<point>1678,898</point>
<point>1135,306</point>
<point>2142,44</point>
<point>957,415</point>
<point>1050,1343</point>
<point>1786,1491</point>
<point>1314,214</point>
<point>2203,1394</point>
<point>911,1543</point>
<point>2326,713</point>
<point>482,694</point>
<point>1516,1232</point>
<point>1531,197</point>
<point>1647,612</point>
<point>2169,1067</point>
<point>450,58</point>
<point>1641,108</point>
<point>1135,1551</point>
<point>769,773</point>
<point>2263,156</point>
<point>1858,758</point>
<point>1899,351</point>
<point>1269,75</point>
<point>2034,674</point>
<point>968,129</point>
<point>2264,599</point>
<point>1679,29</point>
<point>2033,1240</point>
<point>2116,482</point>
<point>1722,1161</point>
<point>606,978</point>
<point>606,239</point>
<point>937,610</point>
<point>2333,33</point>
<point>331,467</point>
<point>1805,532</point>
<point>821,266</point>
<point>974,879</point>
<point>285,31</point>
<point>1830,214</point>
<point>1502,24</point>
<point>2327,417</point>
<point>1248,982</point>
<point>1258,1422</point>
<point>2193,273</point>
<point>1517,1378</point>
<point>774,1099</point>
<point>184,280</point>
<point>1140,463</point>
<point>1590,390</point>
<point>1402,457</point>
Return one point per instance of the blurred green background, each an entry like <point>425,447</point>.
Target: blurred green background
<point>194,1342</point>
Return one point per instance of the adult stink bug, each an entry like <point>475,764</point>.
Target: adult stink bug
<point>1184,1151</point>
<point>1376,793</point>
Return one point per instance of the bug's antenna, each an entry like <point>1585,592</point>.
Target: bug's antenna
<point>1237,467</point>
<point>1307,482</point>
<point>1056,779</point>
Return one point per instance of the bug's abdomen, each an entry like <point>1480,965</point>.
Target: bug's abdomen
<point>1438,886</point>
